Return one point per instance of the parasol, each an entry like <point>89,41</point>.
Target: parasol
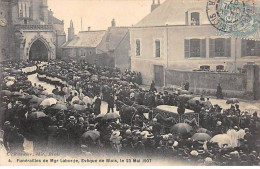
<point>36,115</point>
<point>59,107</point>
<point>93,134</point>
<point>221,139</point>
<point>181,128</point>
<point>201,137</point>
<point>110,116</point>
<point>48,102</point>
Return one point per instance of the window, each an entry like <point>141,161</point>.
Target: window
<point>25,22</point>
<point>220,47</point>
<point>205,68</point>
<point>195,48</point>
<point>157,48</point>
<point>195,18</point>
<point>219,68</point>
<point>138,47</point>
<point>250,48</point>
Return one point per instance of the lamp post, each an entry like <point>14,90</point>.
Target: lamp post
<point>236,55</point>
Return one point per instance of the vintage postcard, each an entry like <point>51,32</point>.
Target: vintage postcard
<point>129,82</point>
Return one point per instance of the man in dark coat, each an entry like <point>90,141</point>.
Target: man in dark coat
<point>110,103</point>
<point>97,106</point>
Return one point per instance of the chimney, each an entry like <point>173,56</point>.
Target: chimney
<point>113,23</point>
<point>154,6</point>
<point>89,28</point>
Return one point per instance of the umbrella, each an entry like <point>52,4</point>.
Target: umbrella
<point>75,98</point>
<point>251,109</point>
<point>87,100</point>
<point>221,139</point>
<point>185,97</point>
<point>36,115</point>
<point>125,83</point>
<point>203,130</point>
<point>80,102</point>
<point>100,116</point>
<point>34,99</point>
<point>6,93</point>
<point>48,102</point>
<point>9,83</point>
<point>232,101</point>
<point>201,137</point>
<point>78,107</point>
<point>93,134</point>
<point>59,107</point>
<point>184,92</point>
<point>17,94</point>
<point>103,78</point>
<point>44,93</point>
<point>110,116</point>
<point>181,128</point>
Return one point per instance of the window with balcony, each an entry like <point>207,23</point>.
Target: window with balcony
<point>138,47</point>
<point>195,48</point>
<point>157,48</point>
<point>220,47</point>
<point>250,48</point>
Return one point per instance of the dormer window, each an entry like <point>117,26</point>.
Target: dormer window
<point>195,18</point>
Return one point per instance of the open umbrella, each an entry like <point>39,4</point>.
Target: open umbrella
<point>201,137</point>
<point>36,115</point>
<point>79,107</point>
<point>87,100</point>
<point>181,128</point>
<point>110,116</point>
<point>203,130</point>
<point>184,97</point>
<point>9,83</point>
<point>48,102</point>
<point>59,107</point>
<point>100,116</point>
<point>232,101</point>
<point>44,93</point>
<point>80,102</point>
<point>17,94</point>
<point>93,134</point>
<point>6,93</point>
<point>125,83</point>
<point>221,139</point>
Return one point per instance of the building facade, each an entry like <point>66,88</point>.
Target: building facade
<point>178,36</point>
<point>34,33</point>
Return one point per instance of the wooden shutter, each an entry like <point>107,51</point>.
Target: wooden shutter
<point>228,47</point>
<point>187,48</point>
<point>211,48</point>
<point>257,48</point>
<point>203,48</point>
<point>243,48</point>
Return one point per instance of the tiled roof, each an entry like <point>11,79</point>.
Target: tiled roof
<point>173,12</point>
<point>112,39</point>
<point>86,39</point>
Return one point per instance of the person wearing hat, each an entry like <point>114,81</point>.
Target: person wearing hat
<point>110,103</point>
<point>97,105</point>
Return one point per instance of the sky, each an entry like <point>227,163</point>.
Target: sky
<point>98,14</point>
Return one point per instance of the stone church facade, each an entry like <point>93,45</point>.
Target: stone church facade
<point>29,31</point>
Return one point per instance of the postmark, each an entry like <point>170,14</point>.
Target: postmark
<point>239,18</point>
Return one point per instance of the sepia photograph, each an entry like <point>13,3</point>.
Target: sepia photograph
<point>130,83</point>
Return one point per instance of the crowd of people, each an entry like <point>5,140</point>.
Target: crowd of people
<point>71,122</point>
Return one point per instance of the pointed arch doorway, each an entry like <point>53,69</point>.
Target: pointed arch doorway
<point>38,51</point>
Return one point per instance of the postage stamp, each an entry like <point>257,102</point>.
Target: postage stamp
<point>236,18</point>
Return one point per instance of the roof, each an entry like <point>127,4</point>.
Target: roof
<point>56,20</point>
<point>112,39</point>
<point>86,39</point>
<point>172,12</point>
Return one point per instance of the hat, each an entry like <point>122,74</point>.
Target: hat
<point>219,123</point>
<point>72,118</point>
<point>175,144</point>
<point>154,120</point>
<point>194,153</point>
<point>128,132</point>
<point>116,133</point>
<point>7,123</point>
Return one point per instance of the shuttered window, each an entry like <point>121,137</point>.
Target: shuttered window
<point>219,47</point>
<point>195,48</point>
<point>250,48</point>
<point>157,48</point>
<point>138,47</point>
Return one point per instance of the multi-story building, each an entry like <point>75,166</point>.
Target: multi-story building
<point>31,30</point>
<point>177,35</point>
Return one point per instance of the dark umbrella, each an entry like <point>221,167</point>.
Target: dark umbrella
<point>181,128</point>
<point>80,102</point>
<point>6,93</point>
<point>201,137</point>
<point>232,101</point>
<point>94,135</point>
<point>36,115</point>
<point>110,116</point>
<point>59,107</point>
<point>203,130</point>
<point>17,94</point>
<point>78,107</point>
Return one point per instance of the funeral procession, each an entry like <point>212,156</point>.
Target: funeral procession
<point>171,81</point>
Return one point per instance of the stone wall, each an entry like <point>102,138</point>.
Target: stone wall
<point>233,84</point>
